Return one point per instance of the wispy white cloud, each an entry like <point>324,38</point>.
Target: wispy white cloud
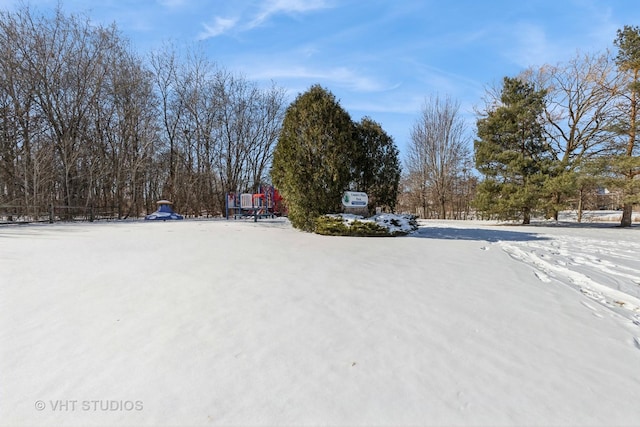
<point>592,28</point>
<point>345,77</point>
<point>217,27</point>
<point>246,20</point>
<point>529,45</point>
<point>398,103</point>
<point>275,7</point>
<point>603,32</point>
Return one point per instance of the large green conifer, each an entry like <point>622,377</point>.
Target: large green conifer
<point>377,167</point>
<point>313,158</point>
<point>627,163</point>
<point>512,154</point>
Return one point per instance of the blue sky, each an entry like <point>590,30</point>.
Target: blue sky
<point>380,58</point>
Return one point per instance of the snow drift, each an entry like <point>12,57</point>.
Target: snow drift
<point>259,324</point>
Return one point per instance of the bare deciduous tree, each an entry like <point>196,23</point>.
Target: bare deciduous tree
<point>579,116</point>
<point>438,153</point>
<point>220,130</point>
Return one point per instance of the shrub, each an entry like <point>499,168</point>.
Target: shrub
<point>380,226</point>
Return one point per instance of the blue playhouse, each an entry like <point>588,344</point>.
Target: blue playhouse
<point>164,212</point>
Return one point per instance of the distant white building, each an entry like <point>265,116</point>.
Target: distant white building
<point>607,200</point>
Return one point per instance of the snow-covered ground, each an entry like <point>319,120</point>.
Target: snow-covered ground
<point>240,323</point>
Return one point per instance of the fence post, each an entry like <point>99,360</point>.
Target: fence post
<point>91,213</point>
<point>51,213</point>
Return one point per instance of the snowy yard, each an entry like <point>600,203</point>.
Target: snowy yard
<point>240,323</point>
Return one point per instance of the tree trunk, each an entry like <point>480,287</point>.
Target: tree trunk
<point>627,210</point>
<point>526,213</point>
<point>580,208</point>
<point>424,205</point>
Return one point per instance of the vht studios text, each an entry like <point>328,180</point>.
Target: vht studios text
<point>90,405</point>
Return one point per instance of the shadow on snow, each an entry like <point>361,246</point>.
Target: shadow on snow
<point>477,234</point>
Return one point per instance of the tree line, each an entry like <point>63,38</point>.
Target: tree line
<point>84,122</point>
<point>546,140</point>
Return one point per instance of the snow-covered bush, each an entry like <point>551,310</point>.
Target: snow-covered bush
<point>385,225</point>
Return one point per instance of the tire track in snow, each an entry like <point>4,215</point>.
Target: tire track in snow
<point>560,259</point>
<point>579,263</point>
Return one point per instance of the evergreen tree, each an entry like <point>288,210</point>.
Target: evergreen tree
<point>627,164</point>
<point>312,161</point>
<point>511,153</point>
<point>376,166</point>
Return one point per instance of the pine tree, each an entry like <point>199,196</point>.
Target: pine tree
<point>312,161</point>
<point>512,154</point>
<point>627,164</point>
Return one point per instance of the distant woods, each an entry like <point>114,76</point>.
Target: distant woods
<point>86,122</point>
<point>555,137</point>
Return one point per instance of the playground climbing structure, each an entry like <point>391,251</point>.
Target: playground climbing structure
<point>266,203</point>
